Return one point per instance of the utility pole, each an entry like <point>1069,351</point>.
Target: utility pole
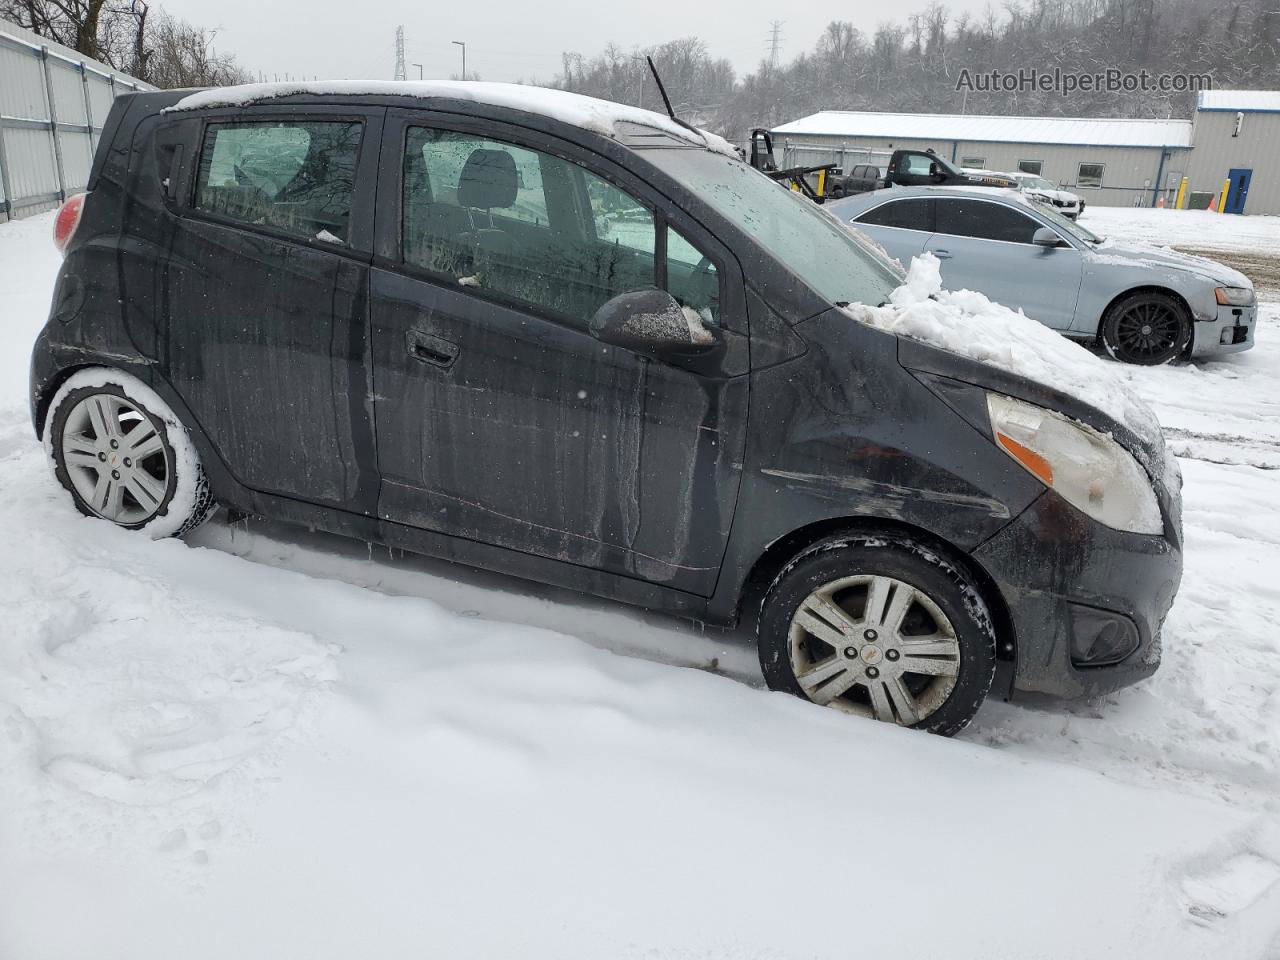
<point>400,71</point>
<point>463,45</point>
<point>419,66</point>
<point>644,71</point>
<point>775,41</point>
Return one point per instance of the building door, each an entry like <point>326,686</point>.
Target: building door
<point>1238,190</point>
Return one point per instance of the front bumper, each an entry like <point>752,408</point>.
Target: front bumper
<point>1065,578</point>
<point>1230,330</point>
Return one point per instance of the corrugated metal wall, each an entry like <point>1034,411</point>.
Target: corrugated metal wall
<point>1257,148</point>
<point>52,105</point>
<point>1128,178</point>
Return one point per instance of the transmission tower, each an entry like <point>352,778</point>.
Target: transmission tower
<point>400,72</point>
<point>775,41</point>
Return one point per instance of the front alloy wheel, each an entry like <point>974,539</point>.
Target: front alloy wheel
<point>1148,328</point>
<point>879,627</point>
<point>874,646</point>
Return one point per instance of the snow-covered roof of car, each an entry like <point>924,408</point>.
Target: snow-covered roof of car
<point>1239,100</point>
<point>944,126</point>
<point>599,116</point>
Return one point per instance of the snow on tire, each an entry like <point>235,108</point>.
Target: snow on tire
<point>880,627</point>
<point>124,455</point>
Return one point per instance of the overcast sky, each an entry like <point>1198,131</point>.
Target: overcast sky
<point>506,39</point>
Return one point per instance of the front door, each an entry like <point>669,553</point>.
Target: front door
<point>1238,192</point>
<point>985,245</point>
<point>500,419</point>
<point>265,294</point>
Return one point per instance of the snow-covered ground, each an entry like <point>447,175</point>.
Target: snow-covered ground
<point>268,743</point>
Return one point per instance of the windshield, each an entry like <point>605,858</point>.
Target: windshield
<point>807,241</point>
<point>1066,225</point>
<point>1039,183</point>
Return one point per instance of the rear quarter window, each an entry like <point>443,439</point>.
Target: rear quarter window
<point>294,177</point>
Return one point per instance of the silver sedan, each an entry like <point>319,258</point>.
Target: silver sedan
<point>1145,304</point>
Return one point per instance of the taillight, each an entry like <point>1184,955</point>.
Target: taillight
<point>68,218</point>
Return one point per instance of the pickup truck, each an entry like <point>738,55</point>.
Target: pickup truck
<point>861,178</point>
<point>924,168</point>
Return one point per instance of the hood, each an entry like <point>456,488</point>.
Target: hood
<point>1040,192</point>
<point>1152,255</point>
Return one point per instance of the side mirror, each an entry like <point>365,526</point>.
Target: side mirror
<point>1045,237</point>
<point>653,321</point>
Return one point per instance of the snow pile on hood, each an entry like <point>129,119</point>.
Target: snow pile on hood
<point>598,116</point>
<point>969,324</point>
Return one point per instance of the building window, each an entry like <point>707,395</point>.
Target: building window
<point>1030,166</point>
<point>1089,175</point>
<point>977,163</point>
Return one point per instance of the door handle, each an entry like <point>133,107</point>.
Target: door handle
<point>428,348</point>
<point>941,254</point>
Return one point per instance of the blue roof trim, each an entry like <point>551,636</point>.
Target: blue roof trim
<point>1038,143</point>
<point>1234,110</point>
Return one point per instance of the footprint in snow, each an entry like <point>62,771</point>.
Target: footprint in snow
<point>1230,887</point>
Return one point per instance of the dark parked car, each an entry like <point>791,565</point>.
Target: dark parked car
<point>578,343</point>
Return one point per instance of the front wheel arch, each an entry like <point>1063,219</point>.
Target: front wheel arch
<point>785,549</point>
<point>1148,288</point>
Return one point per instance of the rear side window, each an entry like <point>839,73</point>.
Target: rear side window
<point>292,176</point>
<point>983,220</point>
<point>910,214</point>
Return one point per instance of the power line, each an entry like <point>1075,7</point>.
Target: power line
<point>775,41</point>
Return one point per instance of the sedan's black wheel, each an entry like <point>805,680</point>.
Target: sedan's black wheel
<point>882,628</point>
<point>1147,329</point>
<point>121,453</point>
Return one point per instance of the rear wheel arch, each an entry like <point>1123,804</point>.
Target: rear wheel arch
<point>783,551</point>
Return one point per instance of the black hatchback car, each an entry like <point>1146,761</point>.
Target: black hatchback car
<point>586,345</point>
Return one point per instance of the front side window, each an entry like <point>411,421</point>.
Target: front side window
<point>1089,175</point>
<point>983,220</point>
<point>538,229</point>
<point>1030,166</point>
<point>910,214</point>
<point>916,164</point>
<point>692,278</point>
<point>293,176</point>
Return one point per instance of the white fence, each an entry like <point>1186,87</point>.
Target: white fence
<point>52,105</point>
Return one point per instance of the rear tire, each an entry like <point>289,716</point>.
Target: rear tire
<point>880,627</point>
<point>1146,328</point>
<point>124,456</point>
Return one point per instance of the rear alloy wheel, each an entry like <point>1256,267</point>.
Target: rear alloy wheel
<point>1147,329</point>
<point>879,628</point>
<point>123,456</point>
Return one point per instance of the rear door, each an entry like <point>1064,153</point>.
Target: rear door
<point>265,297</point>
<point>985,245</point>
<point>903,226</point>
<point>500,419</point>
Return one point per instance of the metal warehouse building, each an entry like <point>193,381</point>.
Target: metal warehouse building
<point>1237,137</point>
<point>1108,162</point>
<point>1234,139</point>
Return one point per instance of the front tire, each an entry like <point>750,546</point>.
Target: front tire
<point>879,627</point>
<point>1146,328</point>
<point>124,456</point>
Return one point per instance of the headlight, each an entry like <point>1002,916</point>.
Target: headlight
<point>1089,470</point>
<point>1235,296</point>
